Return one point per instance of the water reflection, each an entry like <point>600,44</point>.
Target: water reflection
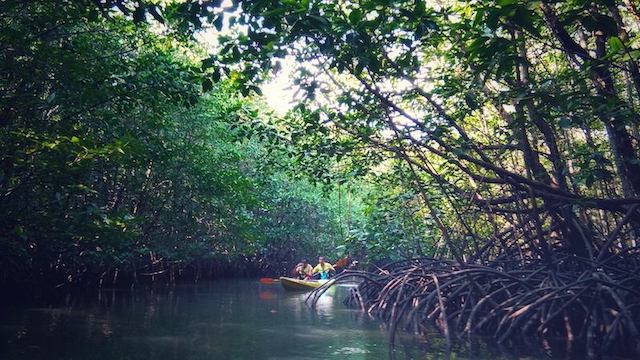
<point>267,295</point>
<point>325,306</point>
<point>221,320</point>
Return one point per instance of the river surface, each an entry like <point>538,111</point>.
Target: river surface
<point>226,319</point>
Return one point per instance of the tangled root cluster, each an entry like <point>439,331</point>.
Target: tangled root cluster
<point>578,301</point>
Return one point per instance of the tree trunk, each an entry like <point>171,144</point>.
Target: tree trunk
<point>626,161</point>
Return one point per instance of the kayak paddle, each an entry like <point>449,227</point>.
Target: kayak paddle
<point>341,263</point>
<point>269,280</point>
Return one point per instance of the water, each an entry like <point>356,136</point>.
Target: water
<point>234,319</point>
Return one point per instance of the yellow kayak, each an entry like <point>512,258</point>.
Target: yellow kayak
<point>300,285</point>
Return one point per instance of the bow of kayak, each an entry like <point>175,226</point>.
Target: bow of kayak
<point>300,285</point>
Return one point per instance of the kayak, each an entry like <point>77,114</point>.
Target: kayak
<point>300,285</point>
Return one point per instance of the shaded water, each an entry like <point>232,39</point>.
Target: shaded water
<point>233,319</point>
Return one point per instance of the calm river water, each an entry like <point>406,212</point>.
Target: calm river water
<point>228,319</point>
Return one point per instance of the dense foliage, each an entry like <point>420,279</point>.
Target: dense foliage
<point>514,122</point>
<point>523,110</point>
<point>115,165</point>
<point>500,137</point>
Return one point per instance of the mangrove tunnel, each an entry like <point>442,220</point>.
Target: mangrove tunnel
<point>471,168</point>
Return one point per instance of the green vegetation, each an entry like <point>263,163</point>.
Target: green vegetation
<point>115,164</point>
<point>499,137</point>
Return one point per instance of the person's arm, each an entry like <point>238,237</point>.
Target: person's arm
<point>316,269</point>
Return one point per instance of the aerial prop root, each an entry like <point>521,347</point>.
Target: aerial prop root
<point>597,306</point>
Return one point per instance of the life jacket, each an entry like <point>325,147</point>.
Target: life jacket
<point>303,270</point>
<point>324,272</point>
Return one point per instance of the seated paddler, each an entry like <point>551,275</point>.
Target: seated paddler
<point>323,269</point>
<point>303,270</point>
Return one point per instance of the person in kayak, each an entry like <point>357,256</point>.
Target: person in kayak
<point>303,270</point>
<point>323,268</point>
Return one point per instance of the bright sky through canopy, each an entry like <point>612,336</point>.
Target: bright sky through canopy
<point>278,91</point>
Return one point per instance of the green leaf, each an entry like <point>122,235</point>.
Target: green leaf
<point>215,76</point>
<point>235,53</point>
<point>355,16</point>
<point>565,123</point>
<point>255,89</point>
<point>207,85</point>
<point>208,63</point>
<point>139,14</point>
<point>631,55</point>
<point>51,97</point>
<point>600,22</point>
<point>321,20</point>
<point>217,23</point>
<point>615,45</point>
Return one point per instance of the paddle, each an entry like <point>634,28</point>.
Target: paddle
<point>269,281</point>
<point>341,263</point>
